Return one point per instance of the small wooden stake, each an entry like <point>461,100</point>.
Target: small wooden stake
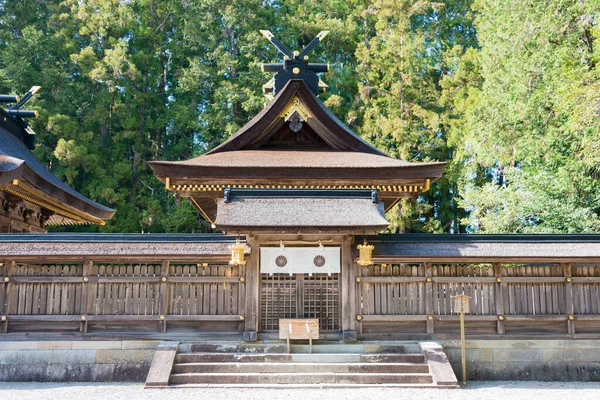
<point>462,348</point>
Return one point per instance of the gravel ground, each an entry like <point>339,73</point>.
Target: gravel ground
<point>474,390</point>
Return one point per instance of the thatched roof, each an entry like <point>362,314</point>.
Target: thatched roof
<point>340,154</point>
<point>486,248</point>
<point>115,245</point>
<point>295,214</point>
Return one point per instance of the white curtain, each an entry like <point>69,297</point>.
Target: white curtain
<point>300,260</point>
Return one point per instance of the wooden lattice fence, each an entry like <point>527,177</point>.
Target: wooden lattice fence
<point>515,299</point>
<point>123,297</point>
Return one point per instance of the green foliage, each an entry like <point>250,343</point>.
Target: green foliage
<point>505,93</point>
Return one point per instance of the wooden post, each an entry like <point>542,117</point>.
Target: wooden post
<point>164,295</point>
<point>462,306</point>
<point>252,282</point>
<point>87,268</point>
<point>348,291</point>
<point>10,297</point>
<point>4,272</point>
<point>429,297</point>
<point>568,273</point>
<point>463,352</point>
<point>499,297</point>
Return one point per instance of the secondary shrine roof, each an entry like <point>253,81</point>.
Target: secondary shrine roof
<point>290,215</point>
<point>22,175</point>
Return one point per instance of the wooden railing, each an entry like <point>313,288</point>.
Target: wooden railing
<point>124,297</point>
<point>506,299</point>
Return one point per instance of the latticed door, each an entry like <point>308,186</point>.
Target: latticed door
<point>300,296</point>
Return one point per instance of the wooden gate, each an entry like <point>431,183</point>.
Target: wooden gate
<point>300,296</point>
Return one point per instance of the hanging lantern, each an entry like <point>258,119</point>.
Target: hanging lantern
<point>237,253</point>
<point>366,253</point>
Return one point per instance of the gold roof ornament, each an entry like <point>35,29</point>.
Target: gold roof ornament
<point>366,254</point>
<point>237,253</point>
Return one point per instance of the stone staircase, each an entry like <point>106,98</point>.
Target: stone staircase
<point>330,365</point>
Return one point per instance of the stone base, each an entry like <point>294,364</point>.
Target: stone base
<point>79,361</point>
<point>527,360</point>
<point>249,336</point>
<point>349,336</point>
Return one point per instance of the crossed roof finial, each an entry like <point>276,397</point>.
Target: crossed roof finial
<point>295,66</point>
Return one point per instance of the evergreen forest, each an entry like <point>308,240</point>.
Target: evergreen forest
<point>507,92</point>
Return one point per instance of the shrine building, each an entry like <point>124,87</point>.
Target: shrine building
<point>301,200</point>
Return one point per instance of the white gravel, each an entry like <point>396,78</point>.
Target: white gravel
<point>474,390</point>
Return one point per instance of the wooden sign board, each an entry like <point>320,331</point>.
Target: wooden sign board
<point>299,329</point>
<point>461,304</point>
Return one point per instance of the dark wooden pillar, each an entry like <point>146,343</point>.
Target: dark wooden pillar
<point>499,290</point>
<point>429,297</point>
<point>252,282</point>
<point>568,273</point>
<point>348,299</point>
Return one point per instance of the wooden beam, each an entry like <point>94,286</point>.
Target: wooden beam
<point>429,296</point>
<point>499,289</point>
<point>164,295</point>
<point>348,291</point>
<point>252,283</point>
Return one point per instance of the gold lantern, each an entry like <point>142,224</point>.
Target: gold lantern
<point>237,253</point>
<point>366,252</point>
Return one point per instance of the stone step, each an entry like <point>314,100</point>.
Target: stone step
<point>274,367</point>
<point>299,358</point>
<point>323,347</point>
<point>313,386</point>
<point>299,378</point>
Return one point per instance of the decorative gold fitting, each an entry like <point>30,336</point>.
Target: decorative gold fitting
<point>241,318</point>
<point>501,317</point>
<point>205,264</point>
<point>85,279</point>
<point>322,35</point>
<point>571,317</point>
<point>3,318</point>
<point>429,279</point>
<point>296,53</point>
<point>569,280</point>
<point>286,58</point>
<point>357,279</point>
<point>6,279</point>
<point>162,317</point>
<point>266,34</point>
<point>1,264</point>
<point>359,317</point>
<point>498,280</point>
<point>430,317</point>
<point>384,265</point>
<point>305,58</point>
<point>296,70</point>
<point>83,317</point>
<point>164,279</point>
<point>242,279</point>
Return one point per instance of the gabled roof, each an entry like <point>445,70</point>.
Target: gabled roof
<point>22,175</point>
<point>245,154</point>
<point>333,131</point>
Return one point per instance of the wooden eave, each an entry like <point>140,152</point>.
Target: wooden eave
<point>22,175</point>
<point>63,212</point>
